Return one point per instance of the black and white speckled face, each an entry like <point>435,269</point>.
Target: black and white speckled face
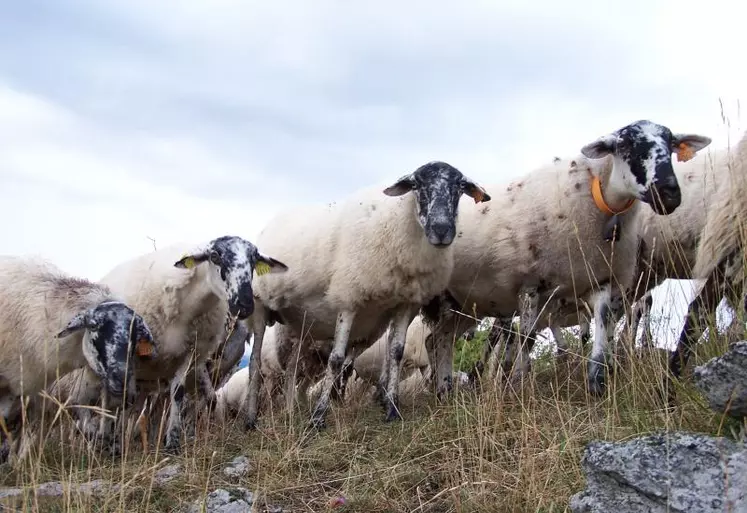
<point>113,334</point>
<point>643,154</point>
<point>437,186</point>
<point>232,262</point>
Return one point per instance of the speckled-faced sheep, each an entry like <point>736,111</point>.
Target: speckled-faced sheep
<point>668,244</point>
<point>52,323</point>
<point>544,243</point>
<point>188,295</point>
<point>359,264</point>
<point>720,258</point>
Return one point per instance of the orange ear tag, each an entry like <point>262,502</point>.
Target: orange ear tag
<point>144,347</point>
<point>684,152</point>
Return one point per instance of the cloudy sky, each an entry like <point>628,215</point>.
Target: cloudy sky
<point>128,122</point>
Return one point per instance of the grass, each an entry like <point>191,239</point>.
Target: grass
<point>493,448</point>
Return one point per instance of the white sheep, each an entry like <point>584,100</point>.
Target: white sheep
<point>669,244</point>
<point>719,261</point>
<point>188,295</point>
<point>359,264</point>
<point>546,241</point>
<point>52,323</point>
<point>278,346</point>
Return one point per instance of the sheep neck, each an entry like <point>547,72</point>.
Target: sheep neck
<point>612,196</point>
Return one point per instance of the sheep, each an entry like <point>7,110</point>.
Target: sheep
<point>188,295</point>
<point>52,323</point>
<point>276,348</point>
<point>719,261</point>
<point>359,264</point>
<point>521,253</point>
<point>668,243</point>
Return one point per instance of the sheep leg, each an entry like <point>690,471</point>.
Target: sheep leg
<point>560,341</point>
<point>205,385</point>
<point>390,374</point>
<point>177,390</point>
<point>334,365</point>
<point>518,357</point>
<point>338,390</point>
<point>440,346</point>
<point>255,370</point>
<point>644,316</point>
<point>604,321</point>
<point>291,371</point>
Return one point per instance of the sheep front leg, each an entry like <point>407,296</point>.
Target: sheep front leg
<point>255,369</point>
<point>389,379</point>
<point>205,385</point>
<point>603,328</point>
<point>440,345</point>
<point>177,389</point>
<point>334,366</point>
<point>518,358</point>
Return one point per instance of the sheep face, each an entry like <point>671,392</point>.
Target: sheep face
<point>643,154</point>
<point>113,334</point>
<point>437,187</point>
<point>231,261</point>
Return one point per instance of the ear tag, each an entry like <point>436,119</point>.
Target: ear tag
<point>262,268</point>
<point>189,262</point>
<point>684,152</point>
<point>144,347</point>
<point>479,195</point>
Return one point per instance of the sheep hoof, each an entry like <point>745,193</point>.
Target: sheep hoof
<point>392,414</point>
<point>318,423</point>
<point>172,445</point>
<point>596,380</point>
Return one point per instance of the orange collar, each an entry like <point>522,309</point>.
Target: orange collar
<point>596,193</point>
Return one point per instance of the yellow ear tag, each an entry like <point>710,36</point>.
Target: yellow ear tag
<point>189,263</point>
<point>684,152</point>
<point>262,268</point>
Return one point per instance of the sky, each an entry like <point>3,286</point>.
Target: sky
<point>129,125</point>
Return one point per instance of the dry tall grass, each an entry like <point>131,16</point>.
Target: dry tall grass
<point>497,448</point>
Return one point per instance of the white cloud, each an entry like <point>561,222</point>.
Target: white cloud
<point>125,120</point>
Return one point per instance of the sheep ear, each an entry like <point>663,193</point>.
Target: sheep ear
<point>79,322</point>
<point>474,191</point>
<point>602,147</point>
<point>687,145</point>
<point>189,261</point>
<point>401,186</point>
<point>144,345</point>
<point>266,264</point>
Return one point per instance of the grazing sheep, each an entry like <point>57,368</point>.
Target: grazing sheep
<point>720,257</point>
<point>522,254</point>
<point>52,324</point>
<point>359,264</point>
<point>189,295</point>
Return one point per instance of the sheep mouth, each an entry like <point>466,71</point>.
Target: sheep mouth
<point>662,200</point>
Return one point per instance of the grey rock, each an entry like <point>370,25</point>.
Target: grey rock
<point>10,492</point>
<point>723,381</point>
<point>237,500</point>
<point>167,474</point>
<point>664,473</point>
<point>239,466</point>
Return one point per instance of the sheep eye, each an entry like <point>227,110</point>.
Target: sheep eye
<point>215,258</point>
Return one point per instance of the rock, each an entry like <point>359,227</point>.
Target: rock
<point>234,500</point>
<point>167,474</point>
<point>10,492</point>
<point>667,473</point>
<point>238,467</point>
<point>723,380</point>
<point>238,500</point>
